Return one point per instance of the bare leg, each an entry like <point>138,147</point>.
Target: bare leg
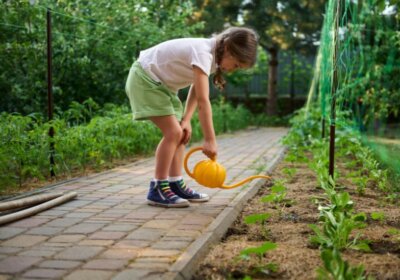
<point>167,148</point>
<point>177,162</point>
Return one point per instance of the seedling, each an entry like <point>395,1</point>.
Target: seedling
<point>259,218</point>
<point>336,268</point>
<point>289,172</point>
<point>378,216</point>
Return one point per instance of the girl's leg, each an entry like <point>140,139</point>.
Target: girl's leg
<point>160,193</point>
<point>177,162</point>
<point>177,184</point>
<point>167,148</point>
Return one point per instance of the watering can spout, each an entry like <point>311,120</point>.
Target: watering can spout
<point>210,173</point>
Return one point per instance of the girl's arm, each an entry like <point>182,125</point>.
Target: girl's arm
<point>201,87</point>
<point>190,107</point>
<point>191,104</point>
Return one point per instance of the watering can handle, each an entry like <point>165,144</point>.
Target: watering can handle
<point>186,159</point>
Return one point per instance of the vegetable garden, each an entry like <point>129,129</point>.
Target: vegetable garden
<point>332,211</point>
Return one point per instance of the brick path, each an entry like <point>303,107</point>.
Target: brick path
<point>109,232</point>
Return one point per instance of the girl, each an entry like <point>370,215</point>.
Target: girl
<point>152,87</point>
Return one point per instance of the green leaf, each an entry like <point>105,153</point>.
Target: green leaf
<point>268,198</point>
<point>278,189</point>
<point>378,216</point>
<point>252,219</point>
<point>267,246</point>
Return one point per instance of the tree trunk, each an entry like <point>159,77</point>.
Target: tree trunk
<point>272,82</point>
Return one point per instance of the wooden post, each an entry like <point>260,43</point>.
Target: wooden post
<point>333,94</point>
<point>50,92</point>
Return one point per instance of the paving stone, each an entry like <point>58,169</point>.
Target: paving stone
<point>150,234</point>
<point>132,244</point>
<point>60,264</point>
<point>24,240</point>
<point>29,222</point>
<point>8,232</point>
<point>48,231</point>
<point>63,222</point>
<point>38,253</point>
<point>106,264</point>
<point>17,264</point>
<point>123,253</point>
<point>135,274</point>
<point>161,224</point>
<point>44,273</point>
<point>177,245</point>
<point>94,242</point>
<point>107,235</point>
<point>79,215</point>
<point>84,228</point>
<point>120,227</point>
<point>150,252</point>
<point>54,213</point>
<point>152,266</point>
<point>79,253</point>
<point>9,250</point>
<point>182,233</point>
<point>67,238</point>
<point>196,219</point>
<point>89,275</point>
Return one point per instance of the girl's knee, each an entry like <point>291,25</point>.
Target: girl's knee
<point>174,134</point>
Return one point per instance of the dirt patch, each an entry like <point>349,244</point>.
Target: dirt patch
<point>288,227</point>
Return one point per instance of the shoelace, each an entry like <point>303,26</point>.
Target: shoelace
<point>166,190</point>
<point>185,189</point>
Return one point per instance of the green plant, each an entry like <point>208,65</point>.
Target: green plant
<point>378,216</point>
<point>336,230</point>
<point>335,268</point>
<point>259,218</point>
<point>278,193</point>
<point>258,251</point>
<point>289,172</point>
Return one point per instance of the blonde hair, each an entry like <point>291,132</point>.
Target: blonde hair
<point>241,43</point>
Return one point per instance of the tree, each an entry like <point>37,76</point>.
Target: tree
<point>283,25</point>
<point>94,44</point>
<point>216,14</point>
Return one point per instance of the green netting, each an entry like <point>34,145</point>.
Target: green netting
<point>360,43</point>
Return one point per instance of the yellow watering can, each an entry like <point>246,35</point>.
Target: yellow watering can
<point>210,173</point>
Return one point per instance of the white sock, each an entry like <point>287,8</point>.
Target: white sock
<point>175,179</point>
<point>158,180</point>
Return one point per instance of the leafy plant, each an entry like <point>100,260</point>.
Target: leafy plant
<point>258,251</point>
<point>335,268</point>
<point>378,216</point>
<point>259,218</point>
<point>290,172</point>
<point>278,193</point>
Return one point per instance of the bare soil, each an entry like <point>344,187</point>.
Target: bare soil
<point>289,229</point>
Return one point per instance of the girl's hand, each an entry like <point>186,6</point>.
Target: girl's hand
<point>210,149</point>
<point>187,131</point>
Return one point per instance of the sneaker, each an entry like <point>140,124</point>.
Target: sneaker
<point>160,194</point>
<point>180,189</point>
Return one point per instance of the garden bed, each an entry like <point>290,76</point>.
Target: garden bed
<point>288,227</point>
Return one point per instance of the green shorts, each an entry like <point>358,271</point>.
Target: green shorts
<point>149,98</point>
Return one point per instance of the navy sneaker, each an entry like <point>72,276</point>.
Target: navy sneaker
<point>180,189</point>
<point>160,194</point>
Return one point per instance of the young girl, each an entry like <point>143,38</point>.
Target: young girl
<point>152,87</point>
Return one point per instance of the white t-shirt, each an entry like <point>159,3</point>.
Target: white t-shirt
<point>171,62</point>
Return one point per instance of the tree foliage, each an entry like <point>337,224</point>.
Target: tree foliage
<point>94,44</point>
